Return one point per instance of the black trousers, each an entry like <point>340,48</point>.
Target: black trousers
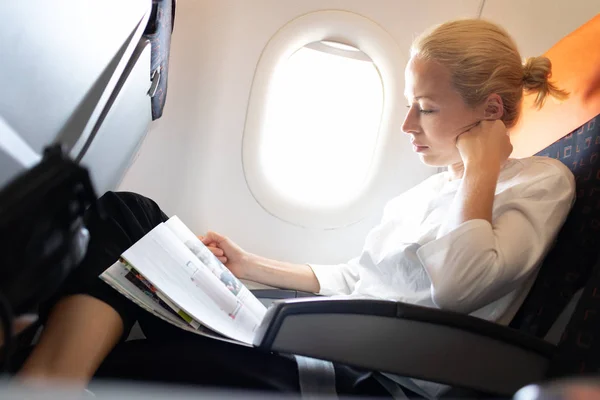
<point>169,354</point>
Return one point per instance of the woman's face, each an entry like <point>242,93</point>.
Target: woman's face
<point>437,114</point>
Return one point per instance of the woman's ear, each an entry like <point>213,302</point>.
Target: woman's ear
<point>494,107</point>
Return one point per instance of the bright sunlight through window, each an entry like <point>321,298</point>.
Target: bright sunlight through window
<point>323,114</point>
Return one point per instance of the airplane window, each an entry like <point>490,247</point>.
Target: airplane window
<point>320,144</point>
<point>323,112</point>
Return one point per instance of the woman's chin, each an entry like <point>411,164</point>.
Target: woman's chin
<point>430,160</point>
<point>438,161</point>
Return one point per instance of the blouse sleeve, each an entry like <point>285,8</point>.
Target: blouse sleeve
<point>337,278</point>
<point>478,262</point>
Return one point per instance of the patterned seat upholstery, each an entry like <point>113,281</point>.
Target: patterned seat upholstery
<point>568,266</point>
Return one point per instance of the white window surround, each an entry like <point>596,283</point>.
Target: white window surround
<point>354,30</point>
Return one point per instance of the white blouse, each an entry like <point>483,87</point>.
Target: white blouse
<point>478,268</point>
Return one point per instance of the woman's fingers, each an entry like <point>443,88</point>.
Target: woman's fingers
<point>215,244</point>
<point>207,241</point>
<point>219,253</point>
<point>212,246</point>
<point>216,251</point>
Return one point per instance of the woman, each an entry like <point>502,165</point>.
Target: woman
<point>469,239</point>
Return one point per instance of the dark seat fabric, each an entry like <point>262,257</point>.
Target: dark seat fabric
<point>579,350</point>
<point>158,32</point>
<point>569,264</point>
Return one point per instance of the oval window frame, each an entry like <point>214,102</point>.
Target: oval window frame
<point>347,28</point>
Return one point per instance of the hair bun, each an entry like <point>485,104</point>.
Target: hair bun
<point>536,74</point>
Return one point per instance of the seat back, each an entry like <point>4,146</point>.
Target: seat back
<point>579,351</point>
<point>568,266</point>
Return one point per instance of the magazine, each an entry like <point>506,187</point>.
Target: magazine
<point>172,274</point>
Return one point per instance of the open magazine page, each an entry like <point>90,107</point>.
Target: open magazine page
<point>115,276</point>
<point>216,267</point>
<point>142,283</point>
<point>172,268</point>
<point>135,278</point>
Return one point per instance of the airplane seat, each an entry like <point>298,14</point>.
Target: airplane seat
<point>89,75</point>
<point>570,265</point>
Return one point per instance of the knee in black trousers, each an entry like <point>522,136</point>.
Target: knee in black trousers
<point>127,218</point>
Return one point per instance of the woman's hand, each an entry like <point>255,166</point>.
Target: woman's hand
<point>483,149</point>
<point>487,144</point>
<point>263,270</point>
<point>229,253</point>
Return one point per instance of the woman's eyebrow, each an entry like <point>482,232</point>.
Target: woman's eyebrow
<point>419,97</point>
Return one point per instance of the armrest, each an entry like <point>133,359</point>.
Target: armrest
<point>407,340</point>
<point>280,294</point>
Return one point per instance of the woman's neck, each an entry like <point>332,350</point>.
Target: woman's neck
<point>456,170</point>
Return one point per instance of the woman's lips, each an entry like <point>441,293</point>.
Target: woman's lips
<point>419,149</point>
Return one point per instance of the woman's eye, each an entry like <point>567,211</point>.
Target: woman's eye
<point>421,110</point>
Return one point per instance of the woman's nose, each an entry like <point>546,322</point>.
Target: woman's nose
<point>411,123</point>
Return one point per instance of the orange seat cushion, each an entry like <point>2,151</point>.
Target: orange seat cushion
<point>575,68</point>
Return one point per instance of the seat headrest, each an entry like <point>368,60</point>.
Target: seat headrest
<point>575,60</point>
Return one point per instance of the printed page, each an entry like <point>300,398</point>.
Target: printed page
<point>135,279</point>
<point>115,277</point>
<point>138,279</point>
<point>216,267</point>
<point>172,268</point>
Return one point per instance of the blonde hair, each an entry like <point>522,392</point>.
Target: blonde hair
<point>483,59</point>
